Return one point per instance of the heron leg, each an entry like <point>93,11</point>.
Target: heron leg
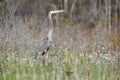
<point>45,58</point>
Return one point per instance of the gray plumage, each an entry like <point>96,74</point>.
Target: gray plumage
<point>45,46</point>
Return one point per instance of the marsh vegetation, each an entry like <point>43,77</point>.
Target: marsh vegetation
<point>84,48</point>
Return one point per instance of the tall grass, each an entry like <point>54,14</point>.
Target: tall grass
<point>61,65</point>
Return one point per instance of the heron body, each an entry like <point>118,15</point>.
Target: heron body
<point>43,49</point>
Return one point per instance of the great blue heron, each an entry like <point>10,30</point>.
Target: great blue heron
<point>47,41</point>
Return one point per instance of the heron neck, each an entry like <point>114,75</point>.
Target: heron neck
<point>50,33</point>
